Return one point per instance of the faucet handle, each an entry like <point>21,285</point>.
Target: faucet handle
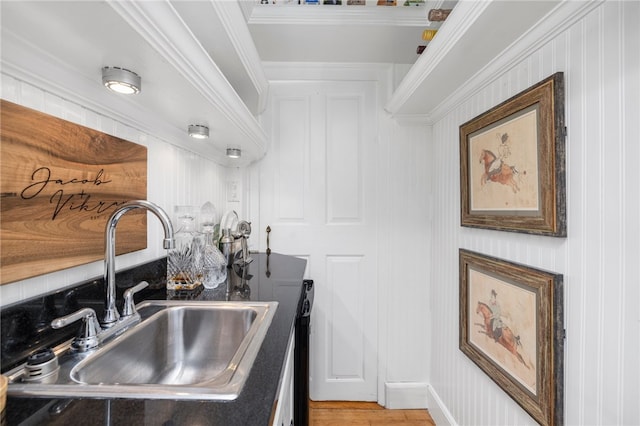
<point>129,306</point>
<point>88,335</point>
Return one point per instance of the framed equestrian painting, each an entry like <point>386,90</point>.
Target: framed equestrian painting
<point>512,163</point>
<point>511,326</point>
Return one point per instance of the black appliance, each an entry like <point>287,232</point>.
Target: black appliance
<point>301,356</point>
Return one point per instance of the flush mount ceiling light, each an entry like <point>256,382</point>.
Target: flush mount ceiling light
<point>121,80</point>
<point>234,152</point>
<point>198,131</point>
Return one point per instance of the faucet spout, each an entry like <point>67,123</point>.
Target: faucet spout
<point>111,314</point>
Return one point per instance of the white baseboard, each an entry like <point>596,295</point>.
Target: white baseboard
<point>405,395</point>
<point>437,410</point>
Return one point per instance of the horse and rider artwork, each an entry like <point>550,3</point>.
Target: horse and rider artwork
<point>503,325</point>
<point>503,165</point>
<point>512,163</point>
<point>512,328</point>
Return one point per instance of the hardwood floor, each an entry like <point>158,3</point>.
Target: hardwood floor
<point>339,413</point>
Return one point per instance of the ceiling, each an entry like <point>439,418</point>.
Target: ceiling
<point>200,61</point>
<point>289,32</point>
<point>204,61</point>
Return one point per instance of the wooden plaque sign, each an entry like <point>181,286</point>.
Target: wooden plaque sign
<point>60,183</point>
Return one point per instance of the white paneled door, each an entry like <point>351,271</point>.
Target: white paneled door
<point>317,191</point>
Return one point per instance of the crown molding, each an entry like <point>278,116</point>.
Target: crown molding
<point>557,21</point>
<point>454,28</point>
<point>469,51</point>
<point>233,21</point>
<point>153,21</point>
<point>412,16</point>
<point>33,66</point>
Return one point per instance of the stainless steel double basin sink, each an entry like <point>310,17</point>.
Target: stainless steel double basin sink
<point>187,350</point>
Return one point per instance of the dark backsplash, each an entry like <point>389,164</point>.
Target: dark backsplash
<point>26,325</point>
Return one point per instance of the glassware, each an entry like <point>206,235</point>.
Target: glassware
<point>215,264</point>
<point>185,262</point>
<point>209,220</point>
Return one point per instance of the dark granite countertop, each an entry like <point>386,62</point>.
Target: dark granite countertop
<point>268,278</point>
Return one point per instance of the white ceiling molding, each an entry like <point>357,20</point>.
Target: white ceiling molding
<point>154,21</point>
<point>411,16</point>
<point>454,28</point>
<point>474,35</point>
<point>35,67</point>
<point>247,8</point>
<point>236,28</point>
<point>181,83</point>
<point>558,20</point>
<point>288,32</point>
<point>421,92</point>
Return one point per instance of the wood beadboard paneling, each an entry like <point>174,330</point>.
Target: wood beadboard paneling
<point>600,56</point>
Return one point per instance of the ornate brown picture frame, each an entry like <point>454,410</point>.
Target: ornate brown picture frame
<point>512,163</point>
<point>511,326</point>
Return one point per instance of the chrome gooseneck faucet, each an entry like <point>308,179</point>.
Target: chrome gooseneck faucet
<point>111,314</point>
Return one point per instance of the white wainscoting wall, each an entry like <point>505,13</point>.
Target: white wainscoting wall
<point>174,177</point>
<point>404,270</point>
<point>600,56</point>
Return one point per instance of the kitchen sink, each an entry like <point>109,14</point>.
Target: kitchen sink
<point>180,350</point>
